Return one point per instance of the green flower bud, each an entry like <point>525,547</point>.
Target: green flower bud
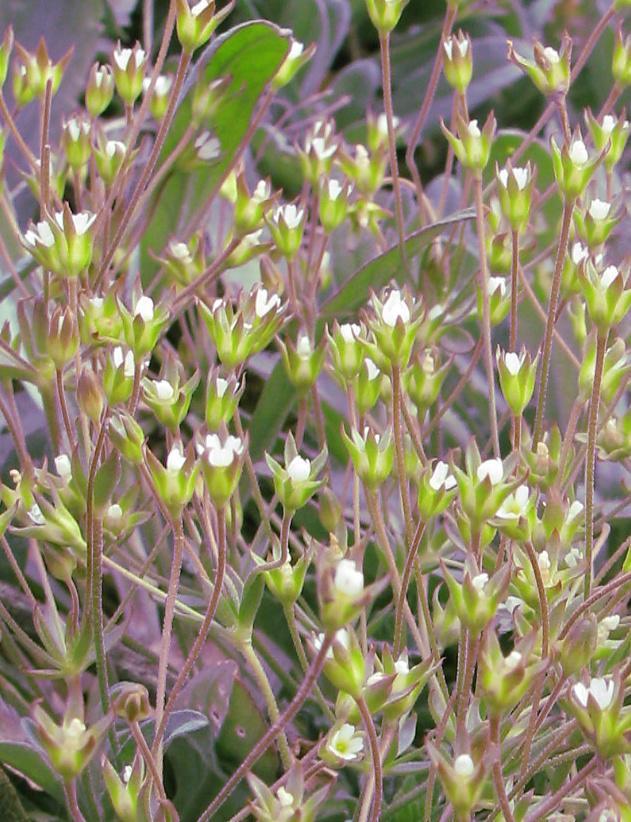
<point>515,186</point>
<point>621,60</point>
<point>129,66</point>
<point>614,441</point>
<point>499,299</point>
<point>477,598</point>
<point>76,141</point>
<point>463,780</point>
<point>551,70</point>
<point>207,98</point>
<point>6,47</point>
<point>286,582</point>
<point>32,72</point>
<point>303,362</point>
<point>109,156</point>
<point>124,790</point>
<point>504,680</point>
<point>406,686</point>
<point>435,491</point>
<point>222,399</point>
<point>517,374</point>
<point>320,147</point>
<point>482,488</point>
<point>607,299</point>
<point>471,146</point>
<point>169,400</point>
<point>595,226</point>
<point>63,336</point>
<point>52,523</point>
<point>616,367</point>
<point>222,463</point>
<point>423,381</point>
<point>64,244</point>
<point>184,262</point>
<point>296,483</point>
<point>333,204</point>
<point>610,136</point>
<point>289,802</point>
<point>368,385</point>
<point>598,709</point>
<point>127,437</point>
<point>286,227</point>
<point>367,171</point>
<point>385,14</point>
<point>516,516</point>
<point>578,647</point>
<point>99,89</point>
<point>345,665</point>
<point>372,455</point>
<point>195,25</point>
<point>159,100</point>
<point>99,320</point>
<point>458,61</point>
<point>90,395</point>
<point>175,482</point>
<point>347,352</point>
<point>130,701</point>
<point>250,208</point>
<point>296,58</point>
<point>573,168</point>
<point>543,461</point>
<point>393,329</point>
<point>71,745</point>
<point>143,328</point>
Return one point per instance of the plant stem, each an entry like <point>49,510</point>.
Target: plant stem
<point>568,209</point>
<point>375,756</point>
<point>405,581</point>
<point>590,459</point>
<point>486,311</point>
<point>498,776</point>
<point>399,448</point>
<point>513,328</point>
<point>543,808</point>
<point>270,735</point>
<point>70,791</point>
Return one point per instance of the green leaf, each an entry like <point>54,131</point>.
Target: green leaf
<point>250,601</point>
<point>275,402</point>
<point>250,55</point>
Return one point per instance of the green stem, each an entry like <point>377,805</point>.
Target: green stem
<point>498,776</point>
<point>375,755</point>
<point>405,581</point>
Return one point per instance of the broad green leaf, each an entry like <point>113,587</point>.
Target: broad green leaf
<point>250,55</point>
<point>275,402</point>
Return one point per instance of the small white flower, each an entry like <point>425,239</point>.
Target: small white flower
<point>198,8</point>
<point>348,580</point>
<point>296,50</point>
<point>610,623</point>
<point>513,362</point>
<point>176,459</point>
<point>473,129</point>
<point>496,283</point>
<point>96,302</point>
<point>551,55</point>
<point>144,309</point>
<point>81,221</point>
<point>608,124</point>
<point>574,510</point>
<point>126,360</point>
<point>543,561</point>
<point>573,558</point>
<point>221,455</point>
<point>515,505</point>
<point>350,332</point>
<point>290,214</point>
<point>448,45</point>
<point>63,466</point>
<point>101,73</point>
<point>221,386</point>
<point>35,515</point>
<point>579,253</point>
<point>608,276</point>
<point>126,773</point>
<point>263,305</point>
<point>41,234</point>
<point>346,743</point>
<point>599,209</point>
<point>303,347</point>
<point>395,308</point>
<point>578,153</point>
<point>479,581</point>
<point>513,660</point>
<point>163,84</point>
<point>371,368</point>
<point>113,147</point>
<point>122,58</point>
<point>114,512</point>
<point>601,689</point>
<point>75,728</point>
<point>163,389</point>
<point>181,252</point>
<point>512,603</point>
<point>334,189</point>
<point>299,469</point>
<point>463,765</point>
<point>521,177</point>
<point>139,58</point>
<point>285,798</point>
<point>441,478</point>
<point>401,666</point>
<point>208,147</point>
<point>74,130</point>
<point>493,469</point>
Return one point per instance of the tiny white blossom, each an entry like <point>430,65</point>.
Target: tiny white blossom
<point>608,276</point>
<point>41,234</point>
<point>114,511</point>
<point>221,386</point>
<point>474,129</point>
<point>126,773</point>
<point>35,515</point>
<point>263,305</point>
<point>348,580</point>
<point>573,558</point>
<point>63,466</point>
<point>496,283</point>
<point>521,176</point>
<point>221,455</point>
<point>164,389</point>
<point>125,359</point>
<point>113,147</point>
<point>122,58</point>
<point>395,308</point>
<point>578,153</point>
<point>463,765</point>
<point>350,332</point>
<point>479,581</point>
<point>513,660</point>
<point>176,459</point>
<point>493,469</point>
<point>401,666</point>
<point>346,743</point>
<point>513,362</point>
<point>543,561</point>
<point>198,8</point>
<point>290,214</point>
<point>515,505</point>
<point>75,727</point>
<point>601,689</point>
<point>371,368</point>
<point>574,510</point>
<point>610,623</point>
<point>334,189</point>
<point>382,124</point>
<point>599,209</point>
<point>144,308</point>
<point>299,469</point>
<point>208,147</point>
<point>285,798</point>
<point>295,50</point>
<point>608,124</point>
<point>579,253</point>
<point>81,221</point>
<point>552,55</point>
<point>181,252</point>
<point>441,478</point>
<point>512,603</point>
<point>303,346</point>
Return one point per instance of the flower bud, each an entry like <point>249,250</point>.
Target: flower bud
<point>610,135</point>
<point>573,167</point>
<point>368,385</point>
<point>75,141</point>
<point>372,455</point>
<point>63,337</point>
<point>32,73</point>
<point>286,227</point>
<point>471,146</point>
<point>616,367</point>
<point>595,226</point>
<point>346,349</point>
<point>222,399</point>
<point>499,299</point>
<point>436,491</point>
<point>551,70</point>
<point>127,437</point>
<point>129,66</point>
<point>175,482</point>
<point>71,745</point>
<point>345,665</point>
<point>458,61</point>
<point>367,171</point>
<point>124,790</point>
<point>222,463</point>
<point>99,89</point>
<point>130,701</point>
<point>250,208</point>
<point>423,381</point>
<point>295,484</point>
<point>517,374</point>
<point>621,60</point>
<point>477,598</point>
<point>109,156</point>
<point>302,362</point>
<point>385,14</point>
<point>160,96</point>
<point>393,329</point>
<point>607,299</point>
<point>286,582</point>
<point>503,680</point>
<point>196,24</point>
<point>90,395</point>
<point>463,780</point>
<point>143,328</point>
<point>333,204</point>
<point>515,185</point>
<point>62,244</point>
<point>482,488</point>
<point>169,400</point>
<point>296,58</point>
<point>316,158</point>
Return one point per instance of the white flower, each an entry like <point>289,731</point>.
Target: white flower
<point>515,505</point>
<point>75,728</point>
<point>463,765</point>
<point>126,773</point>
<point>96,302</point>
<point>342,636</point>
<point>290,214</point>
<point>395,308</point>
<point>101,73</point>
<point>296,50</point>
<point>81,221</point>
<point>176,459</point>
<point>382,124</point>
<point>599,209</point>
<point>164,389</point>
<point>610,623</point>
<point>512,603</point>
<point>448,46</point>
<point>285,798</point>
<point>578,153</point>
<point>208,147</point>
<point>513,362</point>
<point>350,332</point>
<point>543,561</point>
<point>479,581</point>
<point>601,689</point>
<point>126,360</point>
<point>608,276</point>
<point>579,253</point>
<point>371,368</point>
<point>608,124</point>
<point>574,510</point>
<point>303,347</point>
<point>35,515</point>
<point>63,466</point>
<point>220,455</point>
<point>346,743</point>
<point>114,511</point>
<point>122,57</point>
<point>495,283</point>
<point>41,234</point>
<point>144,309</point>
<point>348,580</point>
<point>441,478</point>
<point>461,45</point>
<point>113,147</point>
<point>513,660</point>
<point>573,558</point>
<point>401,666</point>
<point>221,386</point>
<point>263,305</point>
<point>198,8</point>
<point>180,251</point>
<point>552,55</point>
<point>493,469</point>
<point>299,469</point>
<point>520,175</point>
<point>334,189</point>
<point>473,129</point>
<point>74,129</point>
